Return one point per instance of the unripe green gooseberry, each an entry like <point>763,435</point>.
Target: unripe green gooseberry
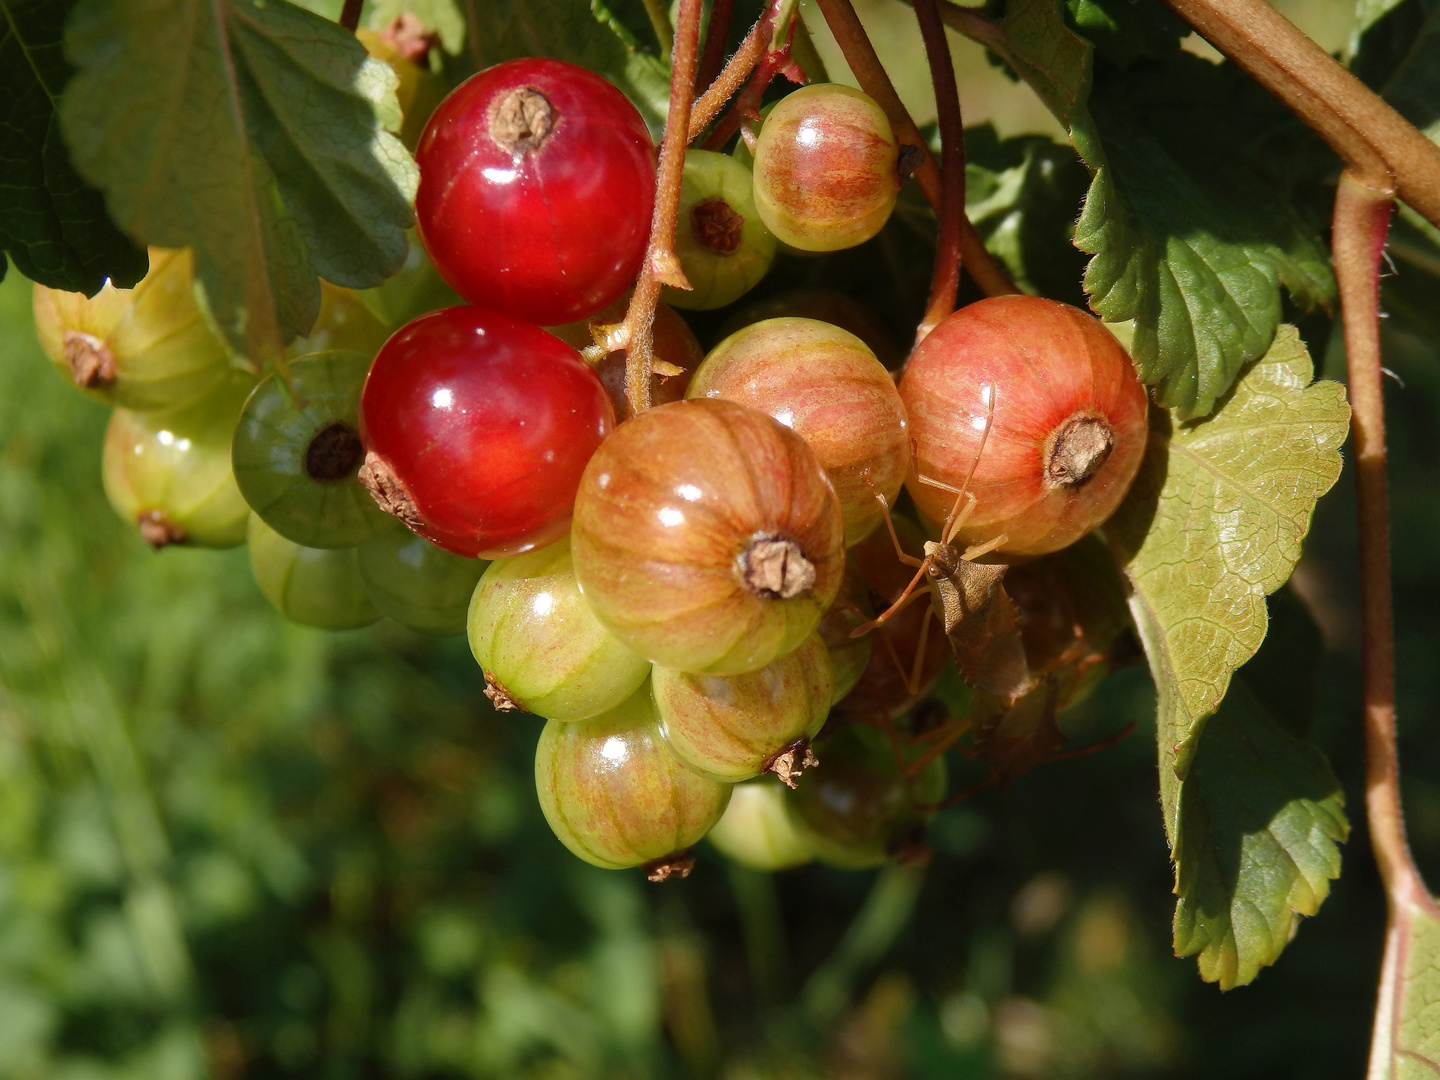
<point>617,797</point>
<point>421,586</point>
<point>541,647</point>
<point>169,473</point>
<point>148,349</point>
<point>756,830</point>
<point>849,655</point>
<point>296,454</point>
<point>825,168</point>
<point>859,809</point>
<point>724,247</point>
<point>318,587</point>
<point>825,385</point>
<point>733,727</point>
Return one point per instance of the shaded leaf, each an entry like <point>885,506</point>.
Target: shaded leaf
<point>52,223</point>
<point>1284,674</point>
<point>568,30</point>
<point>1214,522</point>
<point>252,131</point>
<point>1253,831</point>
<point>1412,85</point>
<point>442,16</point>
<point>1124,31</point>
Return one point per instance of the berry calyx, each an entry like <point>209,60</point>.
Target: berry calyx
<point>477,427</point>
<point>616,796</point>
<point>1067,434</point>
<point>723,246</point>
<point>825,168</point>
<point>826,386</point>
<point>537,183</point>
<point>707,538</point>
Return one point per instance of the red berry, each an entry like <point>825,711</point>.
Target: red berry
<point>537,183</point>
<point>477,427</point>
<point>1069,426</point>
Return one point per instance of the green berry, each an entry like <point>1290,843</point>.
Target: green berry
<point>723,246</point>
<point>851,609</point>
<point>617,797</point>
<point>169,473</point>
<point>149,348</point>
<point>318,587</point>
<point>858,809</point>
<point>756,830</point>
<point>419,585</point>
<point>296,454</point>
<point>541,647</point>
<point>733,727</point>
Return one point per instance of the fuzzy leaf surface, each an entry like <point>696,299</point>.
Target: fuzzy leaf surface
<point>587,34</point>
<point>256,133</point>
<point>1214,522</point>
<point>1254,831</point>
<point>52,224</point>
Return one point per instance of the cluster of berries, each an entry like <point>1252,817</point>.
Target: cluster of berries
<point>686,594</point>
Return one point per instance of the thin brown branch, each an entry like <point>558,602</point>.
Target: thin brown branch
<point>662,265</point>
<point>739,71</point>
<point>718,30</point>
<point>865,64</point>
<point>946,280</point>
<point>1381,150</point>
<point>350,15</point>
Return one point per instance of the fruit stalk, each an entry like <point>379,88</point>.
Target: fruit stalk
<point>350,15</point>
<point>946,280</point>
<point>721,14</point>
<point>662,265</point>
<point>865,64</point>
<point>1362,217</point>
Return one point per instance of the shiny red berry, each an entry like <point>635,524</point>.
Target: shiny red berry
<point>477,427</point>
<point>537,183</point>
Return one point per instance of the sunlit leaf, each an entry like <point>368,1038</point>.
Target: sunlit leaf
<point>252,131</point>
<point>1407,1022</point>
<point>1215,521</point>
<point>52,223</point>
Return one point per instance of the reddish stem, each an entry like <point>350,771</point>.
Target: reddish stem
<point>946,280</point>
<point>747,104</point>
<point>865,64</point>
<point>721,12</point>
<point>662,265</point>
<point>350,15</point>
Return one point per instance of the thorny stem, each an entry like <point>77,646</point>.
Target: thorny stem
<point>721,13</point>
<point>662,265</point>
<point>946,280</point>
<point>350,15</point>
<point>1381,150</point>
<point>865,65</point>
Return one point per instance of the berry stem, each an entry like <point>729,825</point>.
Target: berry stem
<point>865,64</point>
<point>722,12</point>
<point>350,15</point>
<point>662,265</point>
<point>741,69</point>
<point>946,280</point>
<point>1362,217</point>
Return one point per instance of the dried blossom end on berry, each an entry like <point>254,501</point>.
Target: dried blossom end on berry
<point>91,362</point>
<point>522,120</point>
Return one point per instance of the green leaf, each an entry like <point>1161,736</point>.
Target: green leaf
<point>1124,31</point>
<point>252,131</point>
<point>442,16</point>
<point>1214,522</point>
<point>52,223</point>
<point>1192,231</point>
<point>1022,194</point>
<point>1407,1021</point>
<point>1253,834</point>
<point>568,30</point>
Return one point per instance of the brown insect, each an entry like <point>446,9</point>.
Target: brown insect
<point>966,596</point>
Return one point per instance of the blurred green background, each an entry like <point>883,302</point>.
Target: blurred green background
<point>231,846</point>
